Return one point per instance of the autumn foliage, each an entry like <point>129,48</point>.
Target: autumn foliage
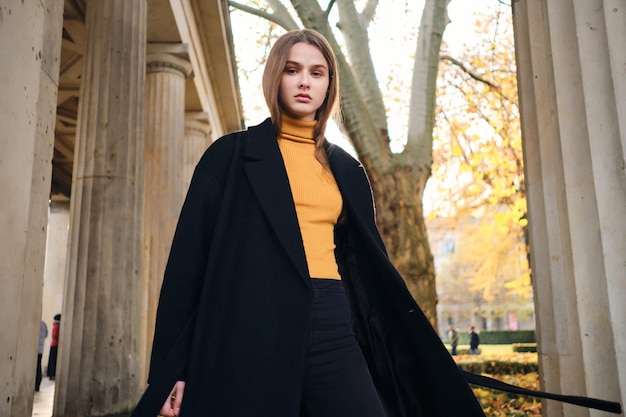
<point>478,176</point>
<point>519,369</point>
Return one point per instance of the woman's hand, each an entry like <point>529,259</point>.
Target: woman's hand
<point>171,406</point>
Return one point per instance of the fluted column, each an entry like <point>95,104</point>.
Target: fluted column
<point>197,140</point>
<point>99,358</point>
<point>163,179</point>
<point>572,86</point>
<point>30,50</point>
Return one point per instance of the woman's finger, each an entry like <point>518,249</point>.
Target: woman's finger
<point>178,399</point>
<point>169,408</point>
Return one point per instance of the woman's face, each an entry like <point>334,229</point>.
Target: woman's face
<point>304,82</point>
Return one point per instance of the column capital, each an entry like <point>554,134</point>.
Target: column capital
<point>197,127</point>
<point>167,62</point>
<point>197,122</point>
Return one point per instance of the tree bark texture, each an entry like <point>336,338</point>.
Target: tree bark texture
<point>399,213</point>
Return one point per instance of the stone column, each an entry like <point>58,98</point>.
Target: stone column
<point>163,178</point>
<point>98,371</point>
<point>572,86</point>
<point>197,140</point>
<point>30,48</point>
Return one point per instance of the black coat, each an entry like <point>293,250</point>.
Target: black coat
<point>234,314</point>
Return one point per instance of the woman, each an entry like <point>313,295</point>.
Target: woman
<point>54,346</point>
<point>279,299</point>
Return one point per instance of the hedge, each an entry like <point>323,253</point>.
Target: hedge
<point>500,337</point>
<point>524,347</point>
<point>498,367</point>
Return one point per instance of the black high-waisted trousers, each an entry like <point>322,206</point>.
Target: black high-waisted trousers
<point>337,382</point>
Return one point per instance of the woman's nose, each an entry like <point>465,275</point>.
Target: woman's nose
<point>304,81</point>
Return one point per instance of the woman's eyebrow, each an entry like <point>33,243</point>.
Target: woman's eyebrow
<point>296,63</point>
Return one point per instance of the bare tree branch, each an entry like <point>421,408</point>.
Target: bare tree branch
<point>367,15</point>
<point>281,20</point>
<point>424,83</point>
<point>470,73</point>
<point>280,10</point>
<point>329,8</point>
<point>361,62</point>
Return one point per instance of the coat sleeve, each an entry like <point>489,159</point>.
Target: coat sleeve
<point>185,276</point>
<point>185,270</point>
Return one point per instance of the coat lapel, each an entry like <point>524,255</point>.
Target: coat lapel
<point>355,188</point>
<point>267,175</point>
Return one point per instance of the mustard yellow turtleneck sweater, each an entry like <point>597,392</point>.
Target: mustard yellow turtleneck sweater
<point>316,195</point>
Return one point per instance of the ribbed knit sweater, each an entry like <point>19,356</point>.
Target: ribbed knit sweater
<point>316,196</point>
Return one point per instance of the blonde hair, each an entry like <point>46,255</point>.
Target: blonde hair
<point>272,74</point>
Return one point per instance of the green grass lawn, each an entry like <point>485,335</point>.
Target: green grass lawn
<point>487,349</point>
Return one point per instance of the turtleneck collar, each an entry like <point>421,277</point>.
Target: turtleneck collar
<point>297,130</point>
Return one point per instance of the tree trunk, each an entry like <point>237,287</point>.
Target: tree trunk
<point>398,194</point>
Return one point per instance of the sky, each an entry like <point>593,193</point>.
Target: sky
<point>460,30</point>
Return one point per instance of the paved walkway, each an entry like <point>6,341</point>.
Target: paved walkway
<point>42,405</point>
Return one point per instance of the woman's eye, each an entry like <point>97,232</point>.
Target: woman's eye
<point>290,71</point>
